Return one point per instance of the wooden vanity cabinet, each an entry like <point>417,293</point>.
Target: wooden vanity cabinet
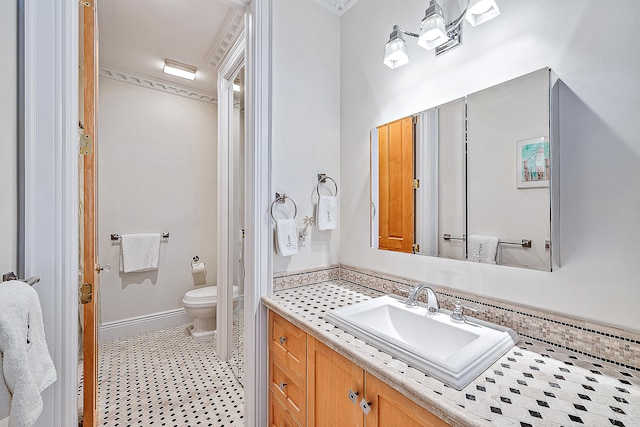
<point>312,385</point>
<point>390,408</point>
<point>331,380</point>
<point>287,372</point>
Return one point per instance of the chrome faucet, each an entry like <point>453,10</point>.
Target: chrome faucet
<point>432,300</point>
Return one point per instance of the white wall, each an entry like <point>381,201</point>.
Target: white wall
<point>600,141</point>
<point>157,173</point>
<point>306,120</point>
<point>8,137</point>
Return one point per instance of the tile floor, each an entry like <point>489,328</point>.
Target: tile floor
<point>166,378</point>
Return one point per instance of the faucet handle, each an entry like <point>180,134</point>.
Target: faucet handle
<point>457,315</point>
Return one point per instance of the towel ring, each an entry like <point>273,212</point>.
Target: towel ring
<point>323,178</point>
<point>282,198</point>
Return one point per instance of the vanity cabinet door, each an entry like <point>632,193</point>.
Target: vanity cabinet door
<point>278,414</point>
<point>390,408</point>
<point>330,378</point>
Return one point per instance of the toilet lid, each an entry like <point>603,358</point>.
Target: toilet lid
<point>206,294</point>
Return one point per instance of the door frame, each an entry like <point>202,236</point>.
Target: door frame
<point>227,72</point>
<point>51,190</point>
<point>51,195</point>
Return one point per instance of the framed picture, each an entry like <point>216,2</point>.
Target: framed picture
<point>532,163</point>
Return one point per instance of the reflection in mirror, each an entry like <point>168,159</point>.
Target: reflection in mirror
<point>508,168</point>
<point>236,232</point>
<point>470,179</point>
<point>417,182</point>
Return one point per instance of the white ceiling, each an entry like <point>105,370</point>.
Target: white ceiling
<point>136,36</point>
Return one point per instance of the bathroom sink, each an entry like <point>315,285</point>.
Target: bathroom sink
<point>454,353</point>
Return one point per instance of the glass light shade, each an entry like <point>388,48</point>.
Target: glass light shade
<point>433,32</point>
<point>480,11</point>
<point>179,69</point>
<point>395,53</point>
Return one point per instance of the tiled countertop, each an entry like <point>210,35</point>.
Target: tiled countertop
<point>533,384</point>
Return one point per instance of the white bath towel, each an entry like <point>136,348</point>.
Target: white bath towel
<point>327,213</point>
<point>286,237</point>
<point>139,252</point>
<point>483,249</point>
<point>26,368</point>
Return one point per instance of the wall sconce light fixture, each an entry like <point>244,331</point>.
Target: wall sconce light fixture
<point>435,33</point>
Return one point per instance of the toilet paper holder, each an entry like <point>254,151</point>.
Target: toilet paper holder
<point>195,260</point>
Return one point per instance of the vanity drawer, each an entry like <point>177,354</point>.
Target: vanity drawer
<point>289,387</point>
<point>288,343</point>
<point>278,414</point>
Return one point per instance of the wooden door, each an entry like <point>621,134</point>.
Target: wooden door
<point>396,225</point>
<point>89,259</point>
<point>330,378</point>
<point>390,408</point>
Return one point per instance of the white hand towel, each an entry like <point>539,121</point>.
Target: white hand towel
<point>286,237</point>
<point>483,249</point>
<point>26,368</point>
<point>327,213</point>
<point>139,252</point>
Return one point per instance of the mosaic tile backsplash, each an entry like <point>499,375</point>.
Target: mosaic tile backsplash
<point>609,344</point>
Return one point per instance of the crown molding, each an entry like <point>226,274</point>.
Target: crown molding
<point>229,32</point>
<point>237,4</point>
<point>155,84</point>
<point>339,7</point>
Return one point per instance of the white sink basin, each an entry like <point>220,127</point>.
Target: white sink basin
<point>454,353</point>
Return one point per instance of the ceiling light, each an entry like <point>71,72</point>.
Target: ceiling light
<point>236,87</point>
<point>435,33</point>
<point>179,69</point>
<point>395,53</point>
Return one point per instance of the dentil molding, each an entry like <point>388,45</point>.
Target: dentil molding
<point>227,36</point>
<point>155,84</point>
<point>339,7</point>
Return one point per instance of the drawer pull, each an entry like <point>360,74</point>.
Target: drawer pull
<point>282,340</point>
<point>353,396</point>
<point>282,386</point>
<point>365,406</point>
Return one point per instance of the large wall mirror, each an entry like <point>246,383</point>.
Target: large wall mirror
<point>472,179</point>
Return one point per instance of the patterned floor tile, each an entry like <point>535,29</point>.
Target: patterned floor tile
<point>166,378</point>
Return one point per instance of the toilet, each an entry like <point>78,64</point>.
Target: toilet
<point>201,305</point>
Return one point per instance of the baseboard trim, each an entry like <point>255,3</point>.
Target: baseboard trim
<point>140,324</point>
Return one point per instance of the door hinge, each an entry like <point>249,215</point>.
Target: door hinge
<point>86,293</point>
<point>416,119</point>
<point>415,248</point>
<point>86,144</point>
<point>416,184</point>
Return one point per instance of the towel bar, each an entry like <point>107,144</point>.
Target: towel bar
<point>117,236</point>
<point>322,177</point>
<point>525,243</point>
<point>282,198</point>
<point>12,276</point>
<point>447,236</point>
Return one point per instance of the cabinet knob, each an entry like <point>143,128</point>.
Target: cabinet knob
<point>282,386</point>
<point>282,340</point>
<point>353,396</point>
<point>365,406</point>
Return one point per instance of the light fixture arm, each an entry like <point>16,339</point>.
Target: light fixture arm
<point>397,29</point>
<point>455,24</point>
